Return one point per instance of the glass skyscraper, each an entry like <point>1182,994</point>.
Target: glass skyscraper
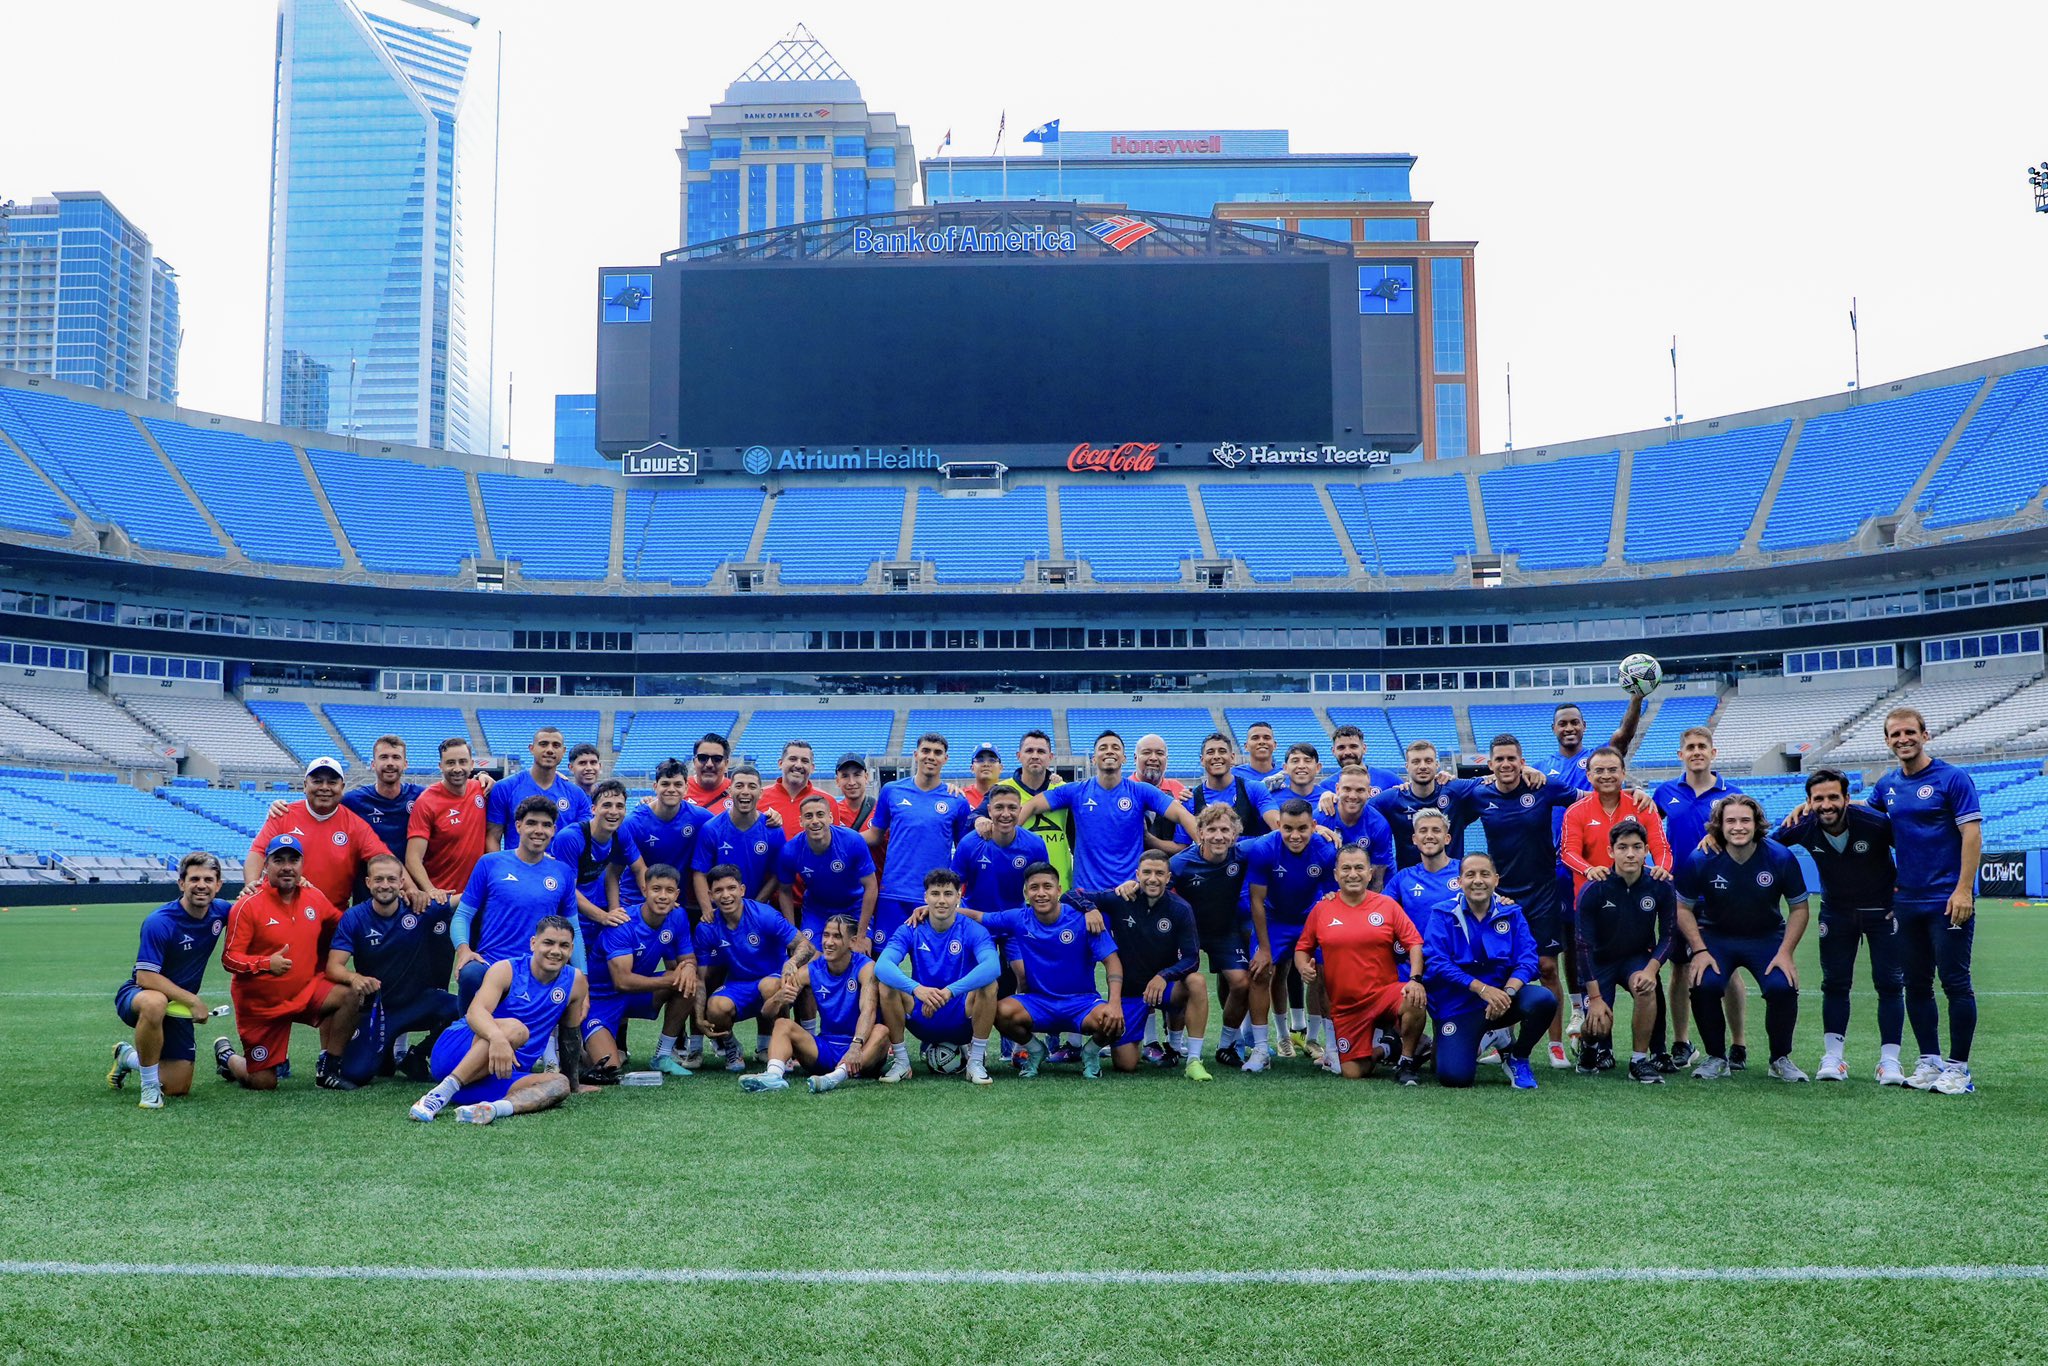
<point>84,298</point>
<point>383,205</point>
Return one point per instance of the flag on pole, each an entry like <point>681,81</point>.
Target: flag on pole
<point>945,142</point>
<point>1852,315</point>
<point>1001,123</point>
<point>1044,132</point>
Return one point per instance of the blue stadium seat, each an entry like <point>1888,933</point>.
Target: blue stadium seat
<point>1280,531</point>
<point>832,535</point>
<point>26,502</point>
<point>979,539</point>
<point>1408,526</point>
<point>2000,462</point>
<point>1529,722</point>
<point>401,517</point>
<point>1857,464</point>
<point>96,456</point>
<point>1657,746</point>
<point>640,740</point>
<point>1383,747</point>
<point>241,812</point>
<point>1556,515</point>
<point>1694,499</point>
<point>682,536</point>
<point>1290,724</point>
<point>1129,533</point>
<point>829,731</point>
<point>555,529</point>
<point>1438,725</point>
<point>293,725</point>
<point>422,728</point>
<point>509,730</point>
<point>1183,729</point>
<point>255,490</point>
<point>966,727</point>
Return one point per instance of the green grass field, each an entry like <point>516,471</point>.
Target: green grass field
<point>1287,1172</point>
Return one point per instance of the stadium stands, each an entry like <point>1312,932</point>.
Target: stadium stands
<point>1280,531</point>
<point>218,727</point>
<point>1694,499</point>
<point>555,530</point>
<point>1383,747</point>
<point>293,725</point>
<point>2000,462</point>
<point>1657,744</point>
<point>1530,722</point>
<point>92,720</point>
<point>1130,533</point>
<point>643,739</point>
<point>1558,515</point>
<point>2018,722</point>
<point>980,539</point>
<point>967,727</point>
<point>26,502</point>
<point>1183,729</point>
<point>509,730</point>
<point>1752,724</point>
<point>1408,526</point>
<point>255,490</point>
<point>239,811</point>
<point>1857,464</point>
<point>1290,725</point>
<point>830,731</point>
<point>98,457</point>
<point>833,535</point>
<point>1945,704</point>
<point>401,517</point>
<point>2014,799</point>
<point>1438,725</point>
<point>24,738</point>
<point>682,536</point>
<point>422,728</point>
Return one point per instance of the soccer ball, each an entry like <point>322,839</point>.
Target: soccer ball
<point>946,1059</point>
<point>1640,675</point>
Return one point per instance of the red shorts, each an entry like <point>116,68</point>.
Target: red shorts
<point>267,1039</point>
<point>1358,1019</point>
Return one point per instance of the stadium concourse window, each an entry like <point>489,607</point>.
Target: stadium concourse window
<point>1579,676</point>
<point>163,666</point>
<point>23,655</point>
<point>497,685</point>
<point>1447,314</point>
<point>1344,683</point>
<point>1991,646</point>
<point>1803,662</point>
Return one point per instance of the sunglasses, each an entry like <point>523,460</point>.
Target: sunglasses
<point>710,758</point>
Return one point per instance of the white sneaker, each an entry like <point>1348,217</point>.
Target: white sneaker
<point>1954,1081</point>
<point>1784,1069</point>
<point>1258,1060</point>
<point>1832,1068</point>
<point>1557,1056</point>
<point>1925,1074</point>
<point>977,1072</point>
<point>1576,1027</point>
<point>1711,1069</point>
<point>1889,1073</point>
<point>899,1070</point>
<point>153,1098</point>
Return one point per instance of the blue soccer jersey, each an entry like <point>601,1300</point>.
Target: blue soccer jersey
<point>955,958</point>
<point>993,874</point>
<point>538,1003</point>
<point>646,946</point>
<point>506,898</point>
<point>1929,810</point>
<point>178,946</point>
<point>1377,780</point>
<point>406,952</point>
<point>832,875</point>
<point>1294,883</point>
<point>1739,898</point>
<point>1214,891</point>
<point>1059,958</point>
<point>923,827</point>
<point>1569,769</point>
<point>1685,812</point>
<point>837,995</point>
<point>388,816</point>
<point>1370,829</point>
<point>1422,893</point>
<point>1399,805</point>
<point>1109,826</point>
<point>1521,831</point>
<point>671,840</point>
<point>754,850</point>
<point>580,846</point>
<point>754,946</point>
<point>1256,792</point>
<point>571,804</point>
<point>1856,869</point>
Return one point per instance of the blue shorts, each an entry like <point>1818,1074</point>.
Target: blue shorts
<point>1057,1014</point>
<point>812,922</point>
<point>1225,953</point>
<point>449,1051</point>
<point>890,913</point>
<point>1613,977</point>
<point>1136,1012</point>
<point>178,1037</point>
<point>948,1024</point>
<point>1541,908</point>
<point>832,1048</point>
<point>745,996</point>
<point>610,1013</point>
<point>1283,938</point>
<point>367,1054</point>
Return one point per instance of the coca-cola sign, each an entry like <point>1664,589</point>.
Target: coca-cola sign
<point>1132,457</point>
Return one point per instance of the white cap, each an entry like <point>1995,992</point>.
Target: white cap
<point>330,763</point>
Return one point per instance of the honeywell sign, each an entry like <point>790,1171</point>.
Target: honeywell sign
<point>1166,147</point>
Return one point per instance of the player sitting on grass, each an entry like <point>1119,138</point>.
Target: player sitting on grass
<point>404,952</point>
<point>947,993</point>
<point>633,985</point>
<point>484,1064</point>
<point>276,949</point>
<point>1056,982</point>
<point>1478,958</point>
<point>839,1038</point>
<point>1625,922</point>
<point>178,938</point>
<point>1162,958</point>
<point>1360,935</point>
<point>758,955</point>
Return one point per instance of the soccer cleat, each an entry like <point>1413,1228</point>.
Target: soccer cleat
<point>1091,1058</point>
<point>1194,1071</point>
<point>693,1059</point>
<point>1299,1037</point>
<point>118,1073</point>
<point>1889,1073</point>
<point>1606,1059</point>
<point>1784,1069</point>
<point>1521,1074</point>
<point>763,1081</point>
<point>1589,1059</point>
<point>426,1107</point>
<point>735,1060</point>
<point>1576,1029</point>
<point>1155,1055</point>
<point>1065,1053</point>
<point>1665,1064</point>
<point>1035,1054</point>
<point>1407,1072</point>
<point>899,1070</point>
<point>1229,1056</point>
<point>1258,1060</point>
<point>1283,1046</point>
<point>1711,1069</point>
<point>328,1078</point>
<point>977,1072</point>
<point>601,1074</point>
<point>1317,1053</point>
<point>1738,1056</point>
<point>1684,1055</point>
<point>152,1098</point>
<point>1955,1080</point>
<point>1645,1071</point>
<point>1557,1056</point>
<point>820,1084</point>
<point>669,1065</point>
<point>1925,1074</point>
<point>483,1112</point>
<point>223,1049</point>
<point>1832,1068</point>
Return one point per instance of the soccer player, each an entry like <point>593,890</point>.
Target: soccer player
<point>938,978</point>
<point>1728,913</point>
<point>1938,833</point>
<point>585,765</point>
<point>740,838</point>
<point>1159,950</point>
<point>757,954</point>
<point>1301,773</point>
<point>600,852</point>
<point>1352,819</point>
<point>403,955</point>
<point>1431,883</point>
<point>1288,871</point>
<point>177,939</point>
<point>708,785</point>
<point>1034,775</point>
<point>1359,934</point>
<point>991,866</point>
<point>543,779</point>
<point>1210,878</point>
<point>444,835</point>
<point>1478,961</point>
<point>385,802</point>
<point>1059,955</point>
<point>1852,851</point>
<point>839,1038</point>
<point>648,970</point>
<point>920,821</point>
<point>784,798</point>
<point>1258,766</point>
<point>1110,814</point>
<point>855,805</point>
<point>663,831</point>
<point>275,946</point>
<point>484,1065</point>
<point>509,891</point>
<point>1568,766</point>
<point>1426,786</point>
<point>1347,742</point>
<point>832,869</point>
<point>987,767</point>
<point>1686,801</point>
<point>337,842</point>
<point>1626,922</point>
<point>1222,783</point>
<point>1582,847</point>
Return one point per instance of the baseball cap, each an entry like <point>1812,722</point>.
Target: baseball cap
<point>850,760</point>
<point>330,764</point>
<point>986,748</point>
<point>279,843</point>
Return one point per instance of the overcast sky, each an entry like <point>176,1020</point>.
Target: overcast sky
<point>1730,173</point>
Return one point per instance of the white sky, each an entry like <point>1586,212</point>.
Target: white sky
<point>1729,173</point>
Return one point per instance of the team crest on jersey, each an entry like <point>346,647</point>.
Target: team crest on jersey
<point>558,995</point>
<point>1926,791</point>
<point>479,802</point>
<point>1230,869</point>
<point>1018,860</point>
<point>689,830</point>
<point>1500,927</point>
<point>1443,801</point>
<point>666,936</point>
<point>760,846</point>
<point>1449,1027</point>
<point>341,839</point>
<point>1648,903</point>
<point>440,927</point>
<point>1862,846</point>
<point>839,865</point>
<point>216,929</point>
<point>1315,870</point>
<point>1528,799</point>
<point>259,1053</point>
<point>1823,928</point>
<point>1343,1044</point>
<point>753,941</point>
<point>1164,924</point>
<point>1375,919</point>
<point>1066,936</point>
<point>953,947</point>
<point>409,920</point>
<point>309,912</point>
<point>561,803</point>
<point>1123,803</point>
<point>548,882</point>
<point>1764,878</point>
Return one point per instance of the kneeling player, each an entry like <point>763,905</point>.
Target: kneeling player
<point>759,954</point>
<point>1625,923</point>
<point>1478,958</point>
<point>948,994</point>
<point>1157,944</point>
<point>403,955</point>
<point>1362,934</point>
<point>170,962</point>
<point>1059,957</point>
<point>838,1038</point>
<point>485,1063</point>
<point>633,984</point>
<point>276,951</point>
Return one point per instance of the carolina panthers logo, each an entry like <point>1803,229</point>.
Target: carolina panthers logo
<point>259,1053</point>
<point>1164,924</point>
<point>558,995</point>
<point>1500,927</point>
<point>341,839</point>
<point>1926,791</point>
<point>1528,799</point>
<point>409,920</point>
<point>1066,936</point>
<point>1764,878</point>
<point>548,882</point>
<point>1375,919</point>
<point>1123,803</point>
<point>1648,903</point>
<point>1448,1028</point>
